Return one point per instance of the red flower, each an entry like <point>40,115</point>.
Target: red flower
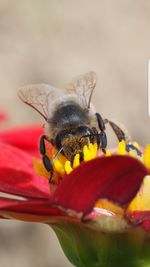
<point>3,116</point>
<point>26,138</point>
<point>105,187</point>
<point>117,178</point>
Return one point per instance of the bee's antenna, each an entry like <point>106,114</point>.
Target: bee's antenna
<point>55,157</point>
<point>57,153</point>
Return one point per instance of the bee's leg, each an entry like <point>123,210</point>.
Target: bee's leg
<point>132,147</point>
<point>46,161</point>
<point>103,141</point>
<point>95,135</point>
<point>117,130</point>
<point>100,121</point>
<point>102,135</point>
<point>42,144</point>
<point>48,165</point>
<point>121,135</point>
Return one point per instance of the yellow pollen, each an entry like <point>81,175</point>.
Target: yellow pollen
<point>40,169</point>
<point>89,152</point>
<point>136,145</point>
<point>131,153</point>
<point>93,150</point>
<point>147,156</point>
<point>122,148</point>
<point>108,153</point>
<point>59,166</point>
<point>76,161</point>
<point>142,200</point>
<point>68,167</point>
<point>86,153</point>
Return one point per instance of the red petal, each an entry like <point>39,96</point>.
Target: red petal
<point>146,225</point>
<point>117,178</point>
<point>141,218</point>
<point>17,175</point>
<point>137,217</point>
<point>30,210</point>
<point>39,207</point>
<point>26,138</point>
<point>3,116</point>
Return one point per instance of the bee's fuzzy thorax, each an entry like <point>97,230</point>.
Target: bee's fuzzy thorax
<point>63,118</point>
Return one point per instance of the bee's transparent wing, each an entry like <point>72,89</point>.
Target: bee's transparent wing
<point>40,97</point>
<point>83,86</point>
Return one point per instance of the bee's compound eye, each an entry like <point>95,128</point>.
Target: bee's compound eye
<point>58,141</point>
<point>59,138</point>
<point>84,130</point>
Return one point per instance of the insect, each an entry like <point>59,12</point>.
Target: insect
<point>71,119</point>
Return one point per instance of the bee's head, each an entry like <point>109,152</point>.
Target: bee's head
<point>73,140</point>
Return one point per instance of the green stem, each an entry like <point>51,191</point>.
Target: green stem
<point>86,247</point>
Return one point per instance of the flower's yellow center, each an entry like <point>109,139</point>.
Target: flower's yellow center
<point>89,152</point>
<point>62,166</point>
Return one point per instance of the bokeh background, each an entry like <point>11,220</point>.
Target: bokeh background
<point>51,42</point>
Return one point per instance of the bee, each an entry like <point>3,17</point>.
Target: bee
<point>71,121</point>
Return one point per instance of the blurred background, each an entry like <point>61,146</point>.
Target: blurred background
<point>51,42</point>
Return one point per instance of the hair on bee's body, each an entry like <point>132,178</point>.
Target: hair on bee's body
<point>68,115</point>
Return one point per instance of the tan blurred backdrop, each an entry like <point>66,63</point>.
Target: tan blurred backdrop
<point>52,41</point>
